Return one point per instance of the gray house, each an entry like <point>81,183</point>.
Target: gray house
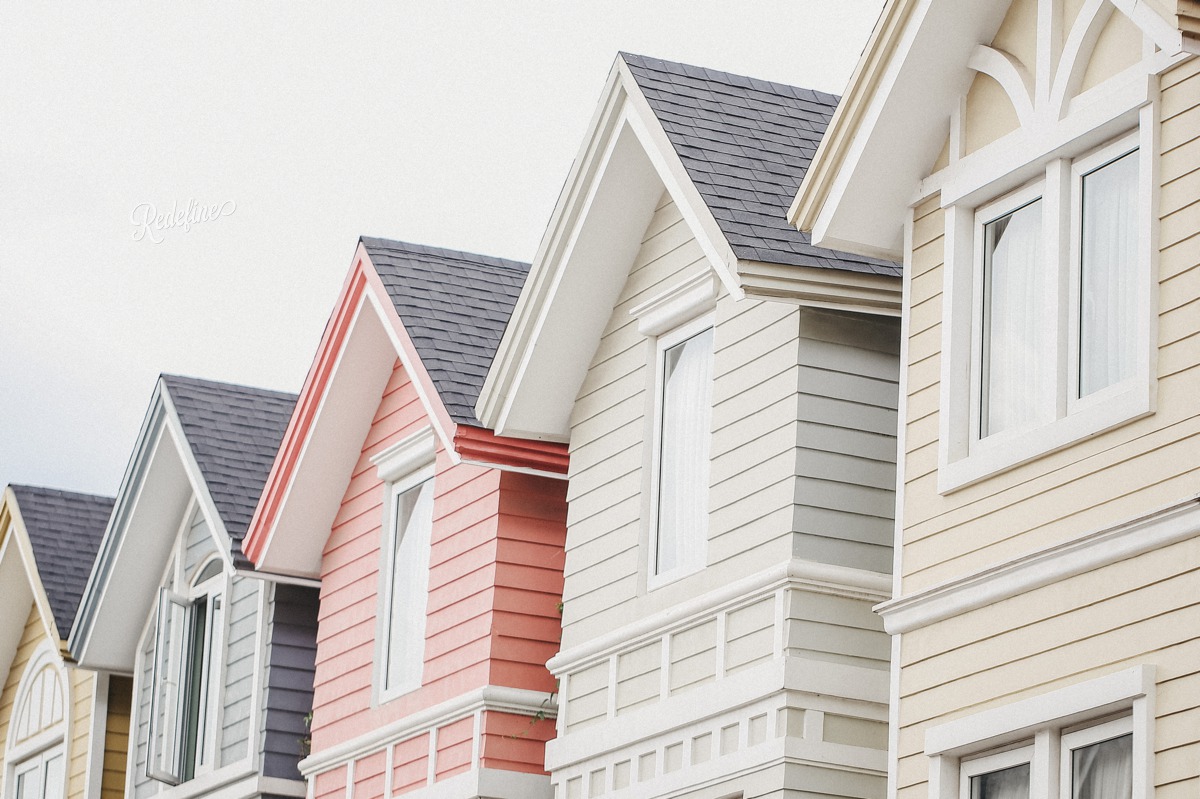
<point>221,659</point>
<point>729,393</point>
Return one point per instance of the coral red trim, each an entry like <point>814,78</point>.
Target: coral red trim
<point>478,444</point>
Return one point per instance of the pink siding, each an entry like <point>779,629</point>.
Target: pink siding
<point>330,784</point>
<point>515,743</point>
<point>495,581</point>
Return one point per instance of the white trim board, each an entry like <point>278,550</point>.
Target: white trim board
<point>1011,578</point>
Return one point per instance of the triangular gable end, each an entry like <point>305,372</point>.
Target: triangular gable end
<point>637,149</point>
<point>905,104</point>
<point>19,584</point>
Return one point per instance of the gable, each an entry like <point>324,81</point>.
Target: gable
<point>950,77</point>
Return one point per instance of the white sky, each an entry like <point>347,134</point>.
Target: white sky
<point>445,123</point>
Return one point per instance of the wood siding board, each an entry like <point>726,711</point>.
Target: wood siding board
<point>290,669</point>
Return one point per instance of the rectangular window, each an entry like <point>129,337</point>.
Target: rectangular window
<point>408,547</point>
<point>684,430</point>
<point>40,777</point>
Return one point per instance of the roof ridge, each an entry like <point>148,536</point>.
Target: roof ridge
<point>225,384</point>
<point>445,252</point>
<point>730,78</point>
<point>61,491</point>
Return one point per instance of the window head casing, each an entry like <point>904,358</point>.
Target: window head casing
<point>1048,333</point>
<point>679,323</point>
<point>35,757</point>
<point>407,471</point>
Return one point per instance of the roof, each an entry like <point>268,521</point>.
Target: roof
<point>234,433</point>
<point>65,530</point>
<point>746,145</point>
<point>454,306</point>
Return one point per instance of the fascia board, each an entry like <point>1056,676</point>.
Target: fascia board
<point>110,544</point>
<point>216,525</point>
<point>363,298</point>
<point>822,288</point>
<point>512,355</point>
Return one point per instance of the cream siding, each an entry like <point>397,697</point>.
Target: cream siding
<point>33,635</point>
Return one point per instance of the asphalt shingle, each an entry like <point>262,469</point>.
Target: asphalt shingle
<point>455,306</point>
<point>234,433</point>
<point>65,529</point>
<point>746,144</point>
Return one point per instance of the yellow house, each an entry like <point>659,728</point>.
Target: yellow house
<point>52,714</point>
<point>1036,166</point>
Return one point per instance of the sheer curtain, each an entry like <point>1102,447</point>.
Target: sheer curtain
<point>1103,770</point>
<point>1015,276</point>
<point>684,451</point>
<point>1107,294</point>
<point>1009,783</point>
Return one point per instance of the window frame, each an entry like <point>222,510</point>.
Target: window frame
<point>662,344</point>
<point>965,456</point>
<point>406,465</point>
<point>47,742</point>
<point>989,762</point>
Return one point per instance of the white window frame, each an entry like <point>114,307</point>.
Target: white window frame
<point>683,311</point>
<point>49,741</point>
<point>212,589</point>
<point>1047,728</point>
<point>407,464</point>
<point>964,456</point>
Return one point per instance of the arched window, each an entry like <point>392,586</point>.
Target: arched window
<point>36,757</point>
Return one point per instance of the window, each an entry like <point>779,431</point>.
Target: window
<point>1092,740</point>
<point>684,423</point>
<point>186,660</point>
<point>407,470</point>
<point>35,752</point>
<point>678,326</point>
<point>1060,343</point>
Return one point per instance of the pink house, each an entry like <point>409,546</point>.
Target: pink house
<point>438,545</point>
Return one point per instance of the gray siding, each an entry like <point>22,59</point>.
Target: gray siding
<point>846,453</point>
<point>291,660</point>
<point>239,668</point>
<point>143,785</point>
<point>198,546</point>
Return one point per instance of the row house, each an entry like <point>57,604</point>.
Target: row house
<point>728,393</point>
<point>221,660</point>
<point>438,544</point>
<point>1036,166</point>
<point>63,729</point>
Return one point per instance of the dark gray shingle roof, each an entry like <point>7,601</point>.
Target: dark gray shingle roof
<point>65,529</point>
<point>234,432</point>
<point>454,306</point>
<point>746,145</point>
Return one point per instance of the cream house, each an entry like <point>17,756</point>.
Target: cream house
<point>728,392</point>
<point>1043,172</point>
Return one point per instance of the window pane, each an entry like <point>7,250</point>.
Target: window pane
<point>52,786</point>
<point>1108,292</point>
<point>683,454</point>
<point>1008,783</point>
<point>1014,290</point>
<point>1103,770</point>
<point>410,582</point>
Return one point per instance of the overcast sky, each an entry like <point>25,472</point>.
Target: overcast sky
<point>445,123</point>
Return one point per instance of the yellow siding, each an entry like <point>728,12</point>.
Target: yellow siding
<point>34,634</point>
<point>1142,610</point>
<point>116,738</point>
<point>82,690</point>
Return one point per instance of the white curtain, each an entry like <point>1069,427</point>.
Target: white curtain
<point>1108,293</point>
<point>1015,276</point>
<point>1103,770</point>
<point>1009,783</point>
<point>684,451</point>
<point>410,585</point>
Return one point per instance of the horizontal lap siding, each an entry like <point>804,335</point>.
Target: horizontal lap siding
<point>242,678</point>
<point>116,737</point>
<point>846,460</point>
<point>32,635</point>
<point>463,572</point>
<point>1140,610</point>
<point>752,447</point>
<point>83,684</point>
<point>515,743</point>
<point>143,785</point>
<point>290,663</point>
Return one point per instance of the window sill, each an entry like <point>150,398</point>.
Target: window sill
<point>1004,452</point>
